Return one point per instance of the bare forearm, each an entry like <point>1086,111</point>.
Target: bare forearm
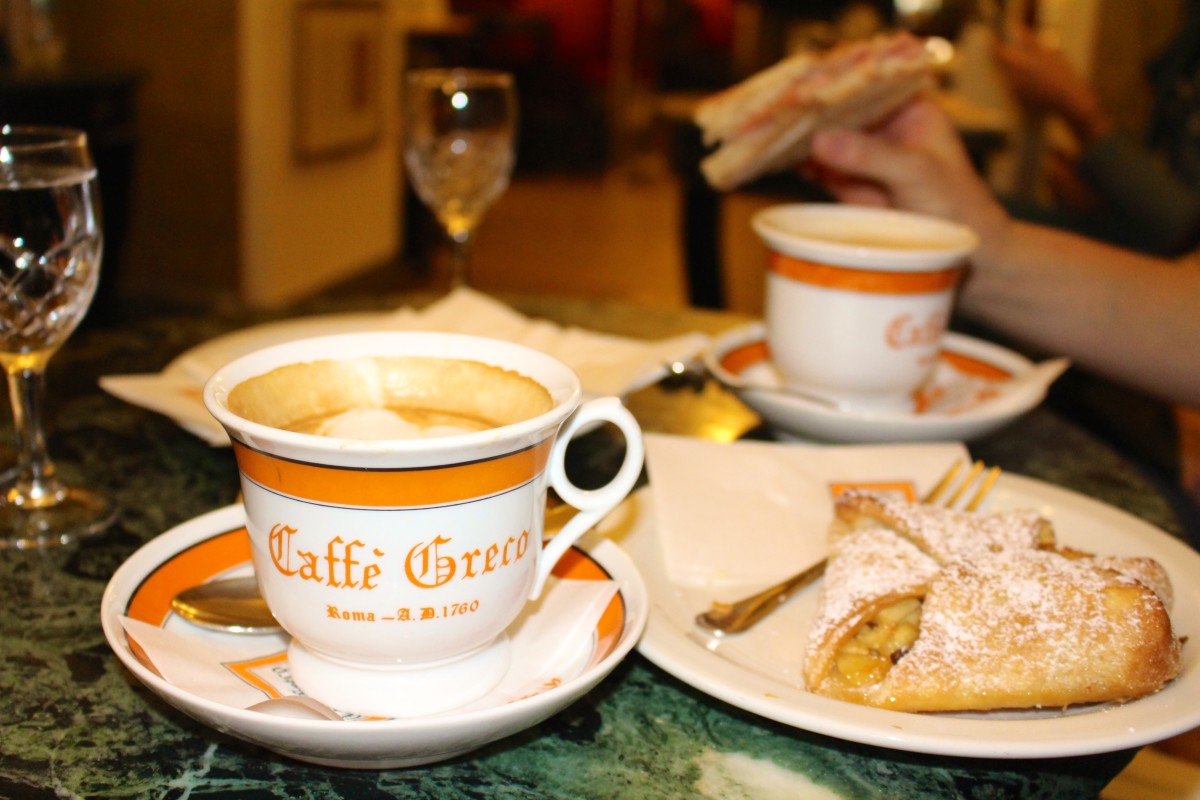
<point>1127,316</point>
<point>1115,312</point>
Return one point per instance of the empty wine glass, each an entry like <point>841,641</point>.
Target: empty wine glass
<point>460,131</point>
<point>50,245</point>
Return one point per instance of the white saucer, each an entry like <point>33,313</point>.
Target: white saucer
<point>969,368</point>
<point>216,544</point>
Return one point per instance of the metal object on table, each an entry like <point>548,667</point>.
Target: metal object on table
<point>231,605</point>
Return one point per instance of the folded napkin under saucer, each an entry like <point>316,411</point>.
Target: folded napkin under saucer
<point>606,364</point>
<point>745,515</point>
<point>546,643</point>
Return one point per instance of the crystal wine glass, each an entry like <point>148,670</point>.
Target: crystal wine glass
<point>460,131</point>
<point>50,245</point>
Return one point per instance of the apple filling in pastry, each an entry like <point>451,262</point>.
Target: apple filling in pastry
<point>879,643</point>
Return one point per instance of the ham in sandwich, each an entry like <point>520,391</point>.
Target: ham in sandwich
<point>765,123</point>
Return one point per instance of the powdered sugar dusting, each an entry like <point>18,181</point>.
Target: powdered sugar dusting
<point>867,568</point>
<point>948,534</point>
<point>1020,629</point>
<point>1145,571</point>
<point>1006,621</point>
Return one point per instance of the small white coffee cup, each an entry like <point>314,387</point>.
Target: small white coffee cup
<point>396,564</point>
<point>858,299</point>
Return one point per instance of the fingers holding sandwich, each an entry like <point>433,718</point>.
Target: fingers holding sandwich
<point>766,123</point>
<point>913,161</point>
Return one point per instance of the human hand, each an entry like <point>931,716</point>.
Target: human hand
<point>914,162</point>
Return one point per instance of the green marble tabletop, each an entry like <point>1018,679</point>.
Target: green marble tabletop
<point>75,723</point>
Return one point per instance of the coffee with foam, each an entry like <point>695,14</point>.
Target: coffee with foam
<point>400,397</point>
<point>388,423</point>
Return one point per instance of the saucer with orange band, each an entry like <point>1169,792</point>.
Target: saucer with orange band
<point>974,391</point>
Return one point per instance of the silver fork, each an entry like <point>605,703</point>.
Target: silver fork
<point>726,618</point>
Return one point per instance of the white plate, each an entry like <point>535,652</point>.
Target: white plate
<point>729,670</point>
<point>739,359</point>
<point>207,357</point>
<point>195,365</point>
<point>215,544</point>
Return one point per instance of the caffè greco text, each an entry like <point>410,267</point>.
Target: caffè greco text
<point>429,564</point>
<point>905,330</point>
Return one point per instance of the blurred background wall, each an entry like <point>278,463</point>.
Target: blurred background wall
<point>196,104</point>
<point>222,210</point>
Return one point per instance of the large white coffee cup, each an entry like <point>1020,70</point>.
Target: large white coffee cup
<point>858,299</point>
<point>397,563</point>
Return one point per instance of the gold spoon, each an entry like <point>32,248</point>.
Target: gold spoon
<point>229,605</point>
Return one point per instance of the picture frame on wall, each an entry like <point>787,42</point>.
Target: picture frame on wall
<point>337,86</point>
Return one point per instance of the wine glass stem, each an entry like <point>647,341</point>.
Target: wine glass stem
<point>36,484</point>
<point>462,244</point>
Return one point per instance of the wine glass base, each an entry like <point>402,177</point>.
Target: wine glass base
<point>80,514</point>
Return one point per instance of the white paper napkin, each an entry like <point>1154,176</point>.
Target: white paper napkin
<point>953,392</point>
<point>751,513</point>
<point>176,396</point>
<point>606,364</point>
<point>240,671</point>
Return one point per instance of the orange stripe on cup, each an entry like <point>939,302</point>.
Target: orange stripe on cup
<point>861,280</point>
<point>392,488</point>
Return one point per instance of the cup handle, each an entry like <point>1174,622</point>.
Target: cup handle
<point>593,504</point>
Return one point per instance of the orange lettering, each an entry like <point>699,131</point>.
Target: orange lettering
<point>426,567</point>
<point>343,569</point>
<point>427,564</point>
<point>279,545</point>
<point>903,331</point>
<point>489,561</point>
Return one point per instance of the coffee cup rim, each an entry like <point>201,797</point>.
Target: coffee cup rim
<point>783,228</point>
<point>565,395</point>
